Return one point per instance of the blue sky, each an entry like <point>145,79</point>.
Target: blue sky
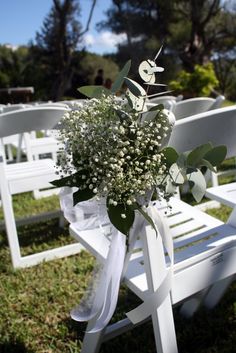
<point>20,19</point>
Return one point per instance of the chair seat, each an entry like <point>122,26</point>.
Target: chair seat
<point>226,194</point>
<point>199,241</point>
<point>45,144</point>
<point>21,176</point>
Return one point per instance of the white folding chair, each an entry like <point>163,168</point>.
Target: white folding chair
<point>27,176</point>
<point>205,248</point>
<point>225,195</point>
<point>12,141</point>
<point>33,146</point>
<point>12,107</point>
<point>214,177</point>
<point>192,106</point>
<point>168,101</point>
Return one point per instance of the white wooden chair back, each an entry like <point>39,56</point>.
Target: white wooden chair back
<point>12,107</point>
<point>53,104</point>
<point>74,103</point>
<point>28,176</point>
<point>217,126</point>
<point>167,101</point>
<point>30,119</point>
<point>194,106</point>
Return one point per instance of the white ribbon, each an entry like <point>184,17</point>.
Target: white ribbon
<point>106,294</point>
<point>155,299</point>
<point>101,301</point>
<point>102,298</point>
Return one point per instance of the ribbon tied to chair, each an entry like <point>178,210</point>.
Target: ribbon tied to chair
<point>99,303</point>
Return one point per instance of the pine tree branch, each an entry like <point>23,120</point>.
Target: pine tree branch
<point>89,18</point>
<point>213,10</point>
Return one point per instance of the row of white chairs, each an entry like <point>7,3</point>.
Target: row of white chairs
<point>187,107</point>
<point>205,260</point>
<point>38,146</point>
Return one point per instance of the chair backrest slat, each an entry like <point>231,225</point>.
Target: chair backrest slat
<point>30,119</point>
<point>217,126</point>
<point>197,105</point>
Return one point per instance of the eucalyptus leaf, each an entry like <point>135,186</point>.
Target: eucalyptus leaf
<point>61,182</point>
<point>158,94</point>
<point>197,183</point>
<point>147,217</point>
<point>115,214</point>
<point>155,69</point>
<point>195,156</point>
<point>155,84</point>
<point>156,107</point>
<point>182,160</point>
<point>136,103</point>
<point>122,114</point>
<point>145,71</point>
<point>94,91</point>
<point>82,195</point>
<point>135,88</point>
<point>71,180</point>
<point>149,115</point>
<point>158,53</point>
<point>171,156</point>
<point>207,164</point>
<point>176,174</point>
<point>170,187</point>
<point>120,78</point>
<point>216,155</point>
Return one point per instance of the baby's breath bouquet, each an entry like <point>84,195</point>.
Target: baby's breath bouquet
<point>116,148</point>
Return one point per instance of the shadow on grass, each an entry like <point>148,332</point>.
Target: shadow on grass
<point>14,347</point>
<point>209,331</point>
<point>39,234</point>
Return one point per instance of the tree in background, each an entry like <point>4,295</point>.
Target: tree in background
<point>192,31</point>
<point>13,63</point>
<point>225,68</point>
<point>209,28</point>
<point>57,42</point>
<point>145,24</point>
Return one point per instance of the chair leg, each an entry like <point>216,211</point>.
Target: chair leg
<point>214,179</point>
<point>92,341</point>
<point>10,221</point>
<point>19,152</point>
<point>164,328</point>
<point>9,153</point>
<point>216,292</point>
<point>162,317</point>
<point>189,308</point>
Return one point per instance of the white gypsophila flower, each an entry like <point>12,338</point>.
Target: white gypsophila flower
<point>119,158</point>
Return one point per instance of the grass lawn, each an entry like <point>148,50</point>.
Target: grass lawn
<point>35,303</point>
